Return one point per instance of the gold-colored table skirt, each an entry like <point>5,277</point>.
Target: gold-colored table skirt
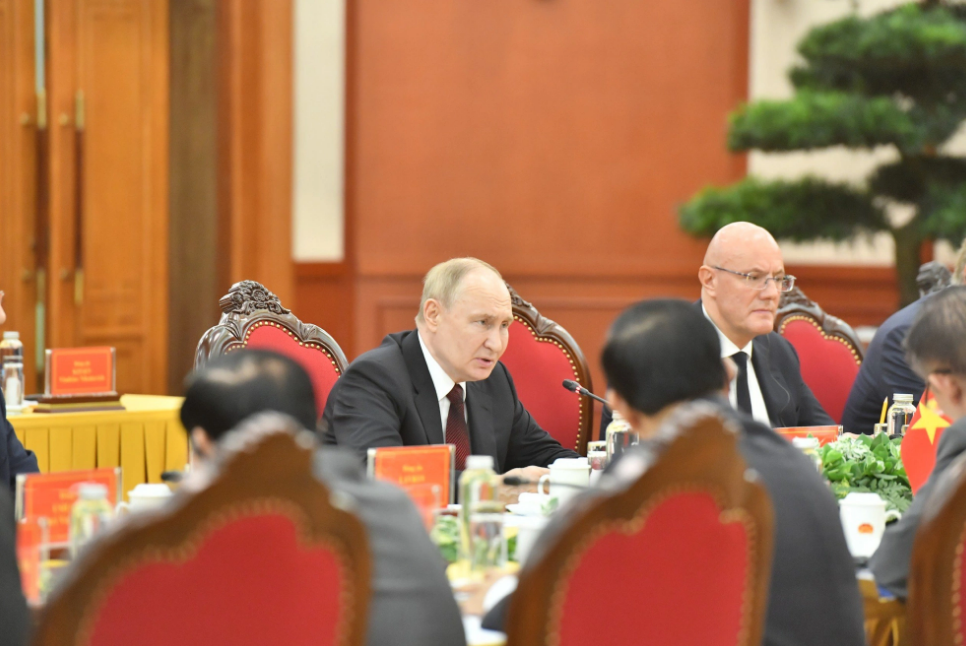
<point>144,440</point>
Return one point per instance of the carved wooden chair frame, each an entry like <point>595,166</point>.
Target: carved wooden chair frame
<point>545,330</point>
<point>936,567</point>
<point>796,306</point>
<point>266,466</point>
<point>247,306</point>
<point>701,455</point>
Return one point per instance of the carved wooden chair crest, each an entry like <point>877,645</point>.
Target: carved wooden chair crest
<point>937,602</point>
<point>254,554</point>
<point>253,317</point>
<point>539,356</point>
<point>828,348</point>
<point>681,542</point>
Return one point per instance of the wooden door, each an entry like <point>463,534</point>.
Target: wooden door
<point>19,142</point>
<point>108,91</point>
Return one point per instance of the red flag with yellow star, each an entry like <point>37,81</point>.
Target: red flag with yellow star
<point>921,439</point>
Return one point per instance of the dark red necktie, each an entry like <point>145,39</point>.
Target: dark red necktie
<point>456,431</point>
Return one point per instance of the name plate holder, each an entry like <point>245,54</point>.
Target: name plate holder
<point>79,380</point>
<point>414,468</point>
<point>51,496</point>
<point>824,434</point>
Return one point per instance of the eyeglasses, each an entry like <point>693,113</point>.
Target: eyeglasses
<point>760,281</point>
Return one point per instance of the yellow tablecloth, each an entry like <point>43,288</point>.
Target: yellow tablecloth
<point>143,440</point>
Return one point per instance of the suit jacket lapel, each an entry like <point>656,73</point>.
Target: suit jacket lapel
<point>427,405</point>
<point>481,422</point>
<point>773,390</point>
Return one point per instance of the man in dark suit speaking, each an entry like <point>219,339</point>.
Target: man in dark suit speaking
<point>443,382</point>
<point>742,278</point>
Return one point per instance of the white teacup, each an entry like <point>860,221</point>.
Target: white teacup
<point>145,496</point>
<point>864,518</point>
<point>567,477</point>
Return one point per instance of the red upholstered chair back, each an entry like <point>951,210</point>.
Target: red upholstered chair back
<point>937,602</point>
<point>253,317</point>
<point>257,556</point>
<point>829,350</point>
<point>539,356</point>
<point>681,556</point>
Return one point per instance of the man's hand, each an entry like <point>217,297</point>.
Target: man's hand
<point>527,473</point>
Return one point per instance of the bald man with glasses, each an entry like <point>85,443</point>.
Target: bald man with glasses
<point>742,279</point>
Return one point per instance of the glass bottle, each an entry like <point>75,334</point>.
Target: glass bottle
<point>11,360</point>
<point>809,446</point>
<point>89,515</point>
<point>619,436</point>
<point>481,515</point>
<point>900,414</point>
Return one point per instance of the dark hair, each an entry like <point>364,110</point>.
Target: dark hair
<point>938,333</point>
<point>239,384</point>
<point>660,352</point>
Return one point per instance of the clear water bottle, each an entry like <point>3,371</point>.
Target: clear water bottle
<point>89,515</point>
<point>809,446</point>
<point>11,359</point>
<point>900,414</point>
<point>481,516</point>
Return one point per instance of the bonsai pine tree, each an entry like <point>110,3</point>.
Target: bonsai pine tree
<point>895,79</point>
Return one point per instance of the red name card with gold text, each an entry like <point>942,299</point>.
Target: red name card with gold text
<point>414,466</point>
<point>824,434</point>
<point>52,495</point>
<point>80,371</point>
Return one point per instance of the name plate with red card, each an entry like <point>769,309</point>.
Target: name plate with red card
<point>75,372</point>
<point>824,434</point>
<point>52,495</point>
<point>415,467</point>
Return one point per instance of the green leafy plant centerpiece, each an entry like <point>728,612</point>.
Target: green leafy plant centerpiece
<point>867,464</point>
<point>895,79</point>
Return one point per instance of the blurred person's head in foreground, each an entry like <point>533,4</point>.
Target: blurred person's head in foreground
<point>237,385</point>
<point>936,348</point>
<point>659,354</point>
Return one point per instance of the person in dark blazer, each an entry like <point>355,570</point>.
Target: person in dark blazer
<point>663,354</point>
<point>14,458</point>
<point>884,372</point>
<point>14,618</point>
<point>412,603</point>
<point>742,279</point>
<point>443,382</point>
<point>936,349</point>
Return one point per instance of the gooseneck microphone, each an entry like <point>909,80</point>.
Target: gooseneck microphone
<point>574,387</point>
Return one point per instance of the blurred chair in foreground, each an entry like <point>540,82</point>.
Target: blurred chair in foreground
<point>253,317</point>
<point>539,356</point>
<point>937,602</point>
<point>680,556</point>
<point>828,348</point>
<point>254,553</point>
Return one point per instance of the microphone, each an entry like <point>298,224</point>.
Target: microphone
<point>574,387</point>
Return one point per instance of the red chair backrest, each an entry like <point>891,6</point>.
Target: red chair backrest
<point>683,554</point>
<point>829,350</point>
<point>540,356</point>
<point>258,556</point>
<point>936,604</point>
<point>253,317</point>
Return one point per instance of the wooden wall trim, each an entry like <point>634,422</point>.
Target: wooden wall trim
<point>255,143</point>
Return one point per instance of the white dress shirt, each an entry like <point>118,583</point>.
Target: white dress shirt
<point>443,385</point>
<point>758,409</point>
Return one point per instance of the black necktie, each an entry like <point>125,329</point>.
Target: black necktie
<point>744,395</point>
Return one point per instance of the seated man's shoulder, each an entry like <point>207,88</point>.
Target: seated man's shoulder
<point>383,362</point>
